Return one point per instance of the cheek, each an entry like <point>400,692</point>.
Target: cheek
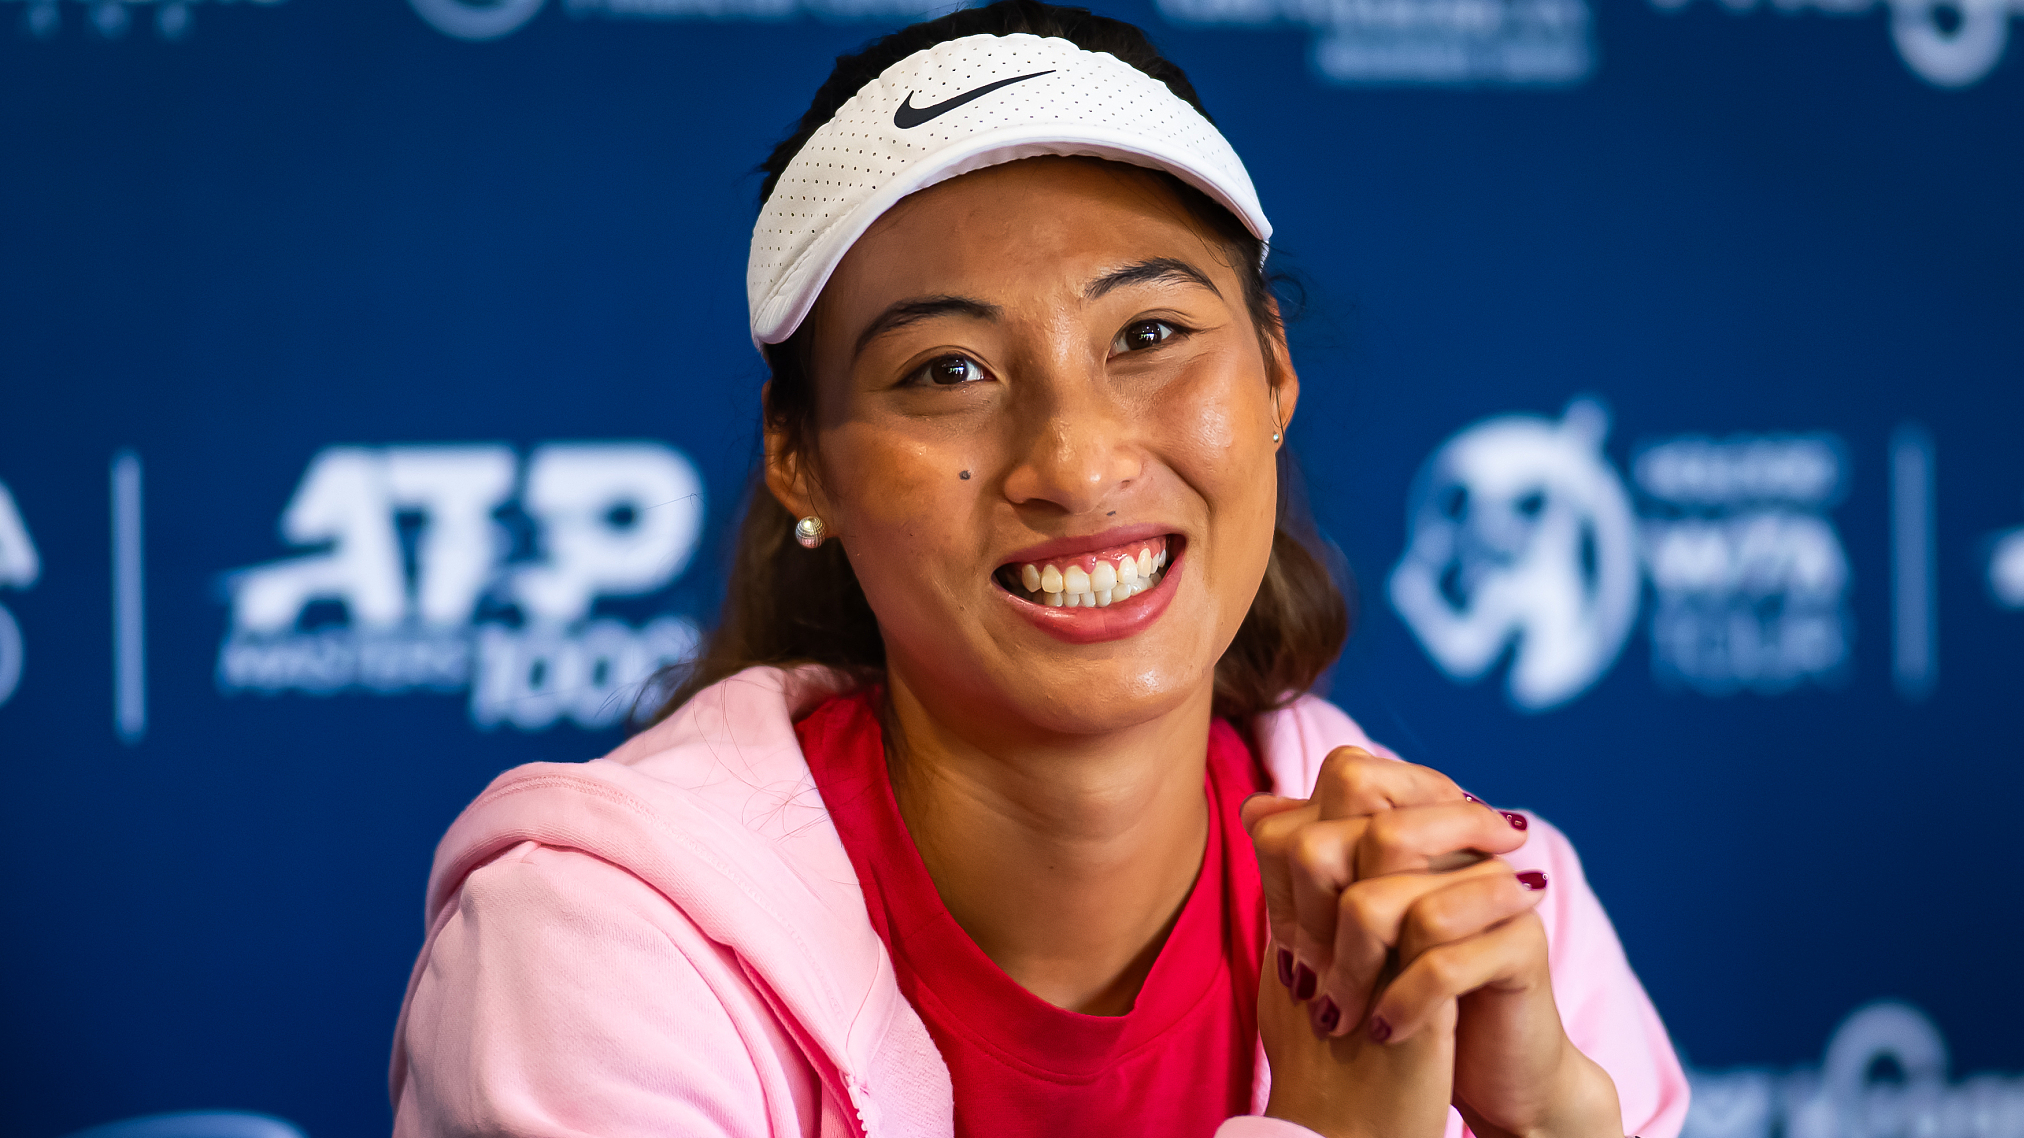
<point>1219,441</point>
<point>901,504</point>
<point>1217,437</point>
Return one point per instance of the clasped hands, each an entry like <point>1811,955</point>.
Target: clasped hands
<point>1407,969</point>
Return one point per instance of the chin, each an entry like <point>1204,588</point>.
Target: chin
<point>1097,697</point>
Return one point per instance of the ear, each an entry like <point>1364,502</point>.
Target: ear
<point>788,472</point>
<point>1284,379</point>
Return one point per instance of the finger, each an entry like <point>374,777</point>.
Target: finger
<point>1353,782</point>
<point>1467,907</point>
<point>1418,839</point>
<point>1319,860</point>
<point>1370,923</point>
<point>1447,972</point>
<point>1263,805</point>
<point>1273,822</point>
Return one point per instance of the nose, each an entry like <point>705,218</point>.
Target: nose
<point>1078,449</point>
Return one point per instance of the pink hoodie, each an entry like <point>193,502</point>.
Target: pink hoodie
<point>670,941</point>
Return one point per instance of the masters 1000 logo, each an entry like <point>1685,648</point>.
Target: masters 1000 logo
<point>467,567</point>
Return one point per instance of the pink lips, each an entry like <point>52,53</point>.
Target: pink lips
<point>1116,621</point>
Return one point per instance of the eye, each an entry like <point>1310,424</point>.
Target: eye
<point>1143,334</point>
<point>949,371</point>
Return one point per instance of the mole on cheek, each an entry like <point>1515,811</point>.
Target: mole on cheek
<point>965,476</point>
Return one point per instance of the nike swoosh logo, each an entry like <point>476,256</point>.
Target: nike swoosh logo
<point>910,116</point>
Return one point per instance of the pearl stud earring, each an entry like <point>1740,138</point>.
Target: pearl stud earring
<point>809,532</point>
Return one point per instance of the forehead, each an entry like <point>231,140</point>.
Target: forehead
<point>1047,218</point>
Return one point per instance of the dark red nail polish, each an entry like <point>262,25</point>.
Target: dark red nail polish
<point>1285,968</point>
<point>1517,821</point>
<point>1326,1017</point>
<point>1303,982</point>
<point>1379,1029</point>
<point>1532,879</point>
<point>1472,798</point>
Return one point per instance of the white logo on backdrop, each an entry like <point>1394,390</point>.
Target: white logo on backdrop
<point>1750,577</point>
<point>1522,539</point>
<point>19,568</point>
<point>491,19</point>
<point>420,585</point>
<point>113,18</point>
<point>476,19</point>
<point>1948,43</point>
<point>2006,568</point>
<point>1504,42</point>
<point>1884,1076</point>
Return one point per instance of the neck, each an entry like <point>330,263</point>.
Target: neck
<point>1066,858</point>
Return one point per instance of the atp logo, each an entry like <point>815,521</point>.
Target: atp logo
<point>1522,539</point>
<point>447,568</point>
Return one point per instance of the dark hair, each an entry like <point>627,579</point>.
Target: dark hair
<point>787,605</point>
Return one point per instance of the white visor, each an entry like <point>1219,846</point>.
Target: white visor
<point>960,106</point>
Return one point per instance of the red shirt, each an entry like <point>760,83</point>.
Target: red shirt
<point>1179,1063</point>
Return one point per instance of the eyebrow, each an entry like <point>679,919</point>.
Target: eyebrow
<point>908,312</point>
<point>1158,270</point>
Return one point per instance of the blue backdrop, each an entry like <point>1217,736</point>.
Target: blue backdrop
<point>375,402</point>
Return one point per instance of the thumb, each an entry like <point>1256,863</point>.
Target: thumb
<point>1258,811</point>
<point>1263,805</point>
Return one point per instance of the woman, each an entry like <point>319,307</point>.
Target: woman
<point>995,805</point>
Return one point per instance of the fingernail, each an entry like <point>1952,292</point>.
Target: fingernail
<point>1325,1016</point>
<point>1285,968</point>
<point>1532,879</point>
<point>1249,797</point>
<point>1379,1029</point>
<point>1517,821</point>
<point>1303,982</point>
<point>1473,798</point>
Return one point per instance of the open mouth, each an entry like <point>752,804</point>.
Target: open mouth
<point>1098,578</point>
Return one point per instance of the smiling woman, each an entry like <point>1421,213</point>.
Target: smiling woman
<point>996,803</point>
<point>928,346</point>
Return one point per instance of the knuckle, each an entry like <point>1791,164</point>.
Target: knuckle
<point>1451,916</point>
<point>1345,755</point>
<point>1362,908</point>
<point>1308,849</point>
<point>1430,921</point>
<point>1344,763</point>
<point>1357,777</point>
<point>1386,833</point>
<point>1444,969</point>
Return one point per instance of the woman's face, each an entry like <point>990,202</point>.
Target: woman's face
<point>1045,440</point>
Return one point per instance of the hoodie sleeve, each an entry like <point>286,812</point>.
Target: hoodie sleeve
<point>562,997</point>
<point>1602,1005</point>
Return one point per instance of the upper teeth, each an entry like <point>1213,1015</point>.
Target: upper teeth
<point>1115,578</point>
